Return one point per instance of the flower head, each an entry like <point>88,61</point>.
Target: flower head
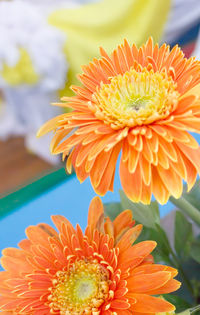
<point>143,102</point>
<point>99,272</point>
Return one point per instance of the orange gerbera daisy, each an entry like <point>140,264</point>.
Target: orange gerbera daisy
<point>143,101</point>
<point>98,273</point>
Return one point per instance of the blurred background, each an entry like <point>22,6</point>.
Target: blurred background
<point>43,44</point>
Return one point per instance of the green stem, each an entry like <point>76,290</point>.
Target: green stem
<point>194,309</point>
<point>186,207</point>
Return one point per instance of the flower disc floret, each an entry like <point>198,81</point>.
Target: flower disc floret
<point>81,289</point>
<point>135,99</point>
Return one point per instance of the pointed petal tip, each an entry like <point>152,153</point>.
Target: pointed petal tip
<point>154,244</point>
<point>59,216</point>
<point>39,132</point>
<point>95,212</point>
<point>126,41</point>
<point>102,51</point>
<point>96,199</point>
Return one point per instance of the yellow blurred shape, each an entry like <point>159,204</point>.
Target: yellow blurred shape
<point>22,73</point>
<point>106,24</point>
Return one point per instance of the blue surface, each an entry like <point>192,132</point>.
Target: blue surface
<point>70,198</point>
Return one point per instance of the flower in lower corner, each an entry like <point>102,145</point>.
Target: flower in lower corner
<point>99,272</point>
<point>143,102</point>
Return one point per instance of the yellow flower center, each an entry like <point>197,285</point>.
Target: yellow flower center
<point>135,98</point>
<point>80,290</point>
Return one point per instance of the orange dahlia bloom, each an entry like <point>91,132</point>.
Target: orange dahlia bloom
<point>99,272</point>
<point>143,102</point>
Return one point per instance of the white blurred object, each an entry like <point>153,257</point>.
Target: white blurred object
<point>26,110</point>
<point>47,6</point>
<point>22,25</point>
<point>183,15</point>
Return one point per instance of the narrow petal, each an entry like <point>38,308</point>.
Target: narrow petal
<point>192,154</point>
<point>172,181</point>
<point>158,188</point>
<point>171,286</point>
<point>95,212</point>
<point>129,238</point>
<point>142,249</point>
<point>107,178</point>
<point>129,180</point>
<point>147,282</point>
<point>122,221</point>
<point>146,303</point>
<point>51,125</point>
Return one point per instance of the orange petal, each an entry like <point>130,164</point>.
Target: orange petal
<point>10,263</point>
<point>179,166</point>
<point>119,304</point>
<point>169,149</point>
<point>146,194</point>
<point>133,159</point>
<point>142,249</point>
<point>147,153</point>
<point>171,286</point>
<point>153,142</point>
<point>172,181</point>
<point>145,167</point>
<point>99,167</point>
<point>51,125</point>
<point>59,136</point>
<point>154,268</point>
<point>143,283</point>
<point>122,221</point>
<point>81,170</point>
<point>131,182</point>
<point>129,238</point>
<point>108,227</point>
<point>83,152</point>
<point>163,159</point>
<point>128,53</point>
<point>95,212</point>
<point>149,304</point>
<point>107,178</point>
<point>158,188</point>
<point>59,220</point>
<point>191,172</point>
<point>192,154</point>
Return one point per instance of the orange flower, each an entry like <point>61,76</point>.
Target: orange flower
<point>143,102</point>
<point>98,272</point>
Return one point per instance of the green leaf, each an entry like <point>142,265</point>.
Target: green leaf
<point>191,270</point>
<point>163,239</point>
<point>183,235</point>
<point>148,215</point>
<point>181,304</point>
<point>189,203</point>
<point>193,197</point>
<point>195,250</point>
<point>161,252</point>
<point>112,209</point>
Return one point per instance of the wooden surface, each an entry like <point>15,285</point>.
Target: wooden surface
<point>18,167</point>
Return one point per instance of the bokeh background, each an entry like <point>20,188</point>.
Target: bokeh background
<point>43,44</point>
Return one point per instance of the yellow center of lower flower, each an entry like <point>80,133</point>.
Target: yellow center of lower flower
<point>80,290</point>
<point>135,98</point>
